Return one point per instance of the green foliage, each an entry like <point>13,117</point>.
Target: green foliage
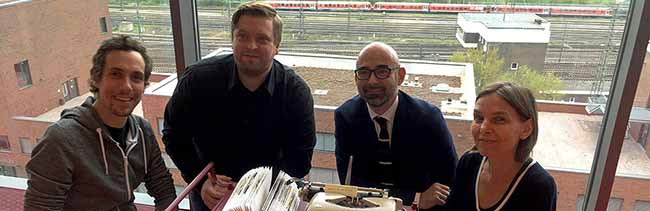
<point>488,68</point>
<point>543,85</point>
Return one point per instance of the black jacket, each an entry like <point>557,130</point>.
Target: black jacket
<point>211,118</point>
<point>422,149</point>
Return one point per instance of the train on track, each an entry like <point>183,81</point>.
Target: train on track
<point>587,11</point>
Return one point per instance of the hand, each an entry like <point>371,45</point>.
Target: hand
<point>436,195</point>
<point>215,188</point>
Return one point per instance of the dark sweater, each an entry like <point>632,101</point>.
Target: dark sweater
<point>535,191</point>
<point>212,117</point>
<point>78,166</point>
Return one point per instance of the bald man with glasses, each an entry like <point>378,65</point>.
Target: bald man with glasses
<point>397,142</point>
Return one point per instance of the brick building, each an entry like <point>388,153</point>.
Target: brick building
<point>522,38</point>
<point>45,60</point>
<point>41,72</point>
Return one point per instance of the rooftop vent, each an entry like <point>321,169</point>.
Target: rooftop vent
<point>538,21</point>
<point>321,92</point>
<point>412,84</point>
<point>441,87</point>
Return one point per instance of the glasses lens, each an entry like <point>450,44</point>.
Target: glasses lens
<point>382,73</point>
<point>363,74</point>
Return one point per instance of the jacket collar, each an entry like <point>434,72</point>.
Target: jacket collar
<point>269,83</point>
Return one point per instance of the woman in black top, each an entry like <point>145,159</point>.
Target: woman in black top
<point>498,173</point>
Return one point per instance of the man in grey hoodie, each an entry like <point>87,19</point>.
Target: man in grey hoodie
<point>97,153</point>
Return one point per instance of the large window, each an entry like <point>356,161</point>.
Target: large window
<point>579,48</point>
<point>25,145</point>
<point>161,125</point>
<point>23,74</point>
<point>580,53</point>
<point>323,175</point>
<point>641,205</point>
<point>70,89</point>
<point>325,142</point>
<point>150,22</point>
<point>633,166</point>
<point>102,24</point>
<point>4,143</point>
<point>8,170</point>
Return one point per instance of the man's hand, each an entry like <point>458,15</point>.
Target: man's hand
<point>435,195</point>
<point>215,188</point>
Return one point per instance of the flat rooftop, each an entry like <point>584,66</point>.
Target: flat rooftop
<point>340,86</point>
<point>54,114</point>
<point>505,20</point>
<point>331,80</point>
<point>506,27</point>
<point>568,142</point>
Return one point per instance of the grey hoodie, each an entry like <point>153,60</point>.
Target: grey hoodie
<point>78,166</point>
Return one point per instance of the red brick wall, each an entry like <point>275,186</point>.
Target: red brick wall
<point>32,130</point>
<point>461,134</point>
<point>153,107</point>
<point>50,36</point>
<point>642,96</point>
<point>58,38</point>
<point>636,131</point>
<point>324,118</point>
<point>157,77</point>
<point>571,108</point>
<point>572,184</point>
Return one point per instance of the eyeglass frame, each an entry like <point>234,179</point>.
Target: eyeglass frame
<point>374,71</point>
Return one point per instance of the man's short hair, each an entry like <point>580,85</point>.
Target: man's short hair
<point>258,9</point>
<point>118,43</point>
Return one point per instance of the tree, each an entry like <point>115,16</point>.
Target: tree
<point>543,85</point>
<point>488,68</point>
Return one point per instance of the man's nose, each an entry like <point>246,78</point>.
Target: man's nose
<point>373,78</point>
<point>252,44</point>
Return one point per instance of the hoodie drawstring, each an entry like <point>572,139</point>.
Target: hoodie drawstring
<point>101,143</point>
<point>144,150</point>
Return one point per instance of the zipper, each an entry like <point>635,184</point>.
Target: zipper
<point>125,159</point>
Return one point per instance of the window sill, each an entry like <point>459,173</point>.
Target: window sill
<point>25,87</point>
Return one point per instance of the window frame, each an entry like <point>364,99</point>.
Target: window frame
<point>624,84</point>
<point>25,142</point>
<point>23,74</point>
<point>103,26</point>
<point>4,138</point>
<point>610,139</point>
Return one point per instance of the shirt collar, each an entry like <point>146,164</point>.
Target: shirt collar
<point>269,83</point>
<point>389,114</point>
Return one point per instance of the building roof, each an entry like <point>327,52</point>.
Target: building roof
<point>506,27</point>
<point>505,20</point>
<point>6,3</point>
<point>331,80</point>
<point>54,114</point>
<point>641,115</point>
<point>568,142</point>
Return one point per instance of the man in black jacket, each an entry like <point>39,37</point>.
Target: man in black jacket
<point>398,142</point>
<point>240,111</point>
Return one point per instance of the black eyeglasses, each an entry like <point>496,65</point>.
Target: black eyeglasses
<point>381,72</point>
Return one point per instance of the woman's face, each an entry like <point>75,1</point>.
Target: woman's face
<point>498,128</point>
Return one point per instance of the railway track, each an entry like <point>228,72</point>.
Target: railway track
<point>575,42</point>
